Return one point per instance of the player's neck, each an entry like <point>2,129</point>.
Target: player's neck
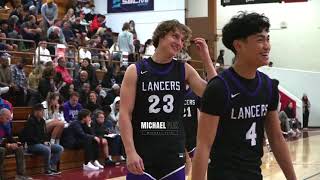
<point>161,58</point>
<point>244,70</point>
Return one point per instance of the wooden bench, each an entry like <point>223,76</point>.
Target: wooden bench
<point>20,116</point>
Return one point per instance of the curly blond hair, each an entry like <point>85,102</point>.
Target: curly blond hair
<point>171,26</point>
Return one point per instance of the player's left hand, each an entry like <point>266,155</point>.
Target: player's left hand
<point>202,48</point>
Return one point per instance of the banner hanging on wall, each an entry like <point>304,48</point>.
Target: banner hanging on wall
<point>118,6</point>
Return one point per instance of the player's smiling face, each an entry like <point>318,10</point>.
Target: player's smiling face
<point>172,42</point>
<point>255,49</point>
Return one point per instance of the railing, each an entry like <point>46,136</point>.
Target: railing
<point>20,40</point>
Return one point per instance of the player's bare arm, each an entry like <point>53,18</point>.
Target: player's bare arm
<point>278,145</point>
<point>127,94</point>
<point>207,128</point>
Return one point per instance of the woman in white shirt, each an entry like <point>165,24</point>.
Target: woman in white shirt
<point>54,117</point>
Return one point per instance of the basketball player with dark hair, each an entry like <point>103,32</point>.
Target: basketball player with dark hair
<point>237,106</point>
<point>150,116</point>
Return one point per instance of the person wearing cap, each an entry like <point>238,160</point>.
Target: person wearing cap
<point>49,12</point>
<point>8,145</point>
<point>19,82</point>
<point>37,140</point>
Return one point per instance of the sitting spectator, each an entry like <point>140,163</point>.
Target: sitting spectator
<point>30,30</point>
<point>83,78</point>
<point>67,32</point>
<point>100,130</point>
<point>86,66</point>
<point>72,107</point>
<point>46,84</point>
<point>93,103</point>
<point>70,16</point>
<point>294,122</point>
<point>114,115</point>
<point>18,11</point>
<point>19,83</point>
<point>5,71</point>
<point>101,93</point>
<point>42,54</point>
<point>56,29</point>
<point>33,83</point>
<point>85,53</point>
<point>112,94</point>
<point>61,68</point>
<point>53,117</point>
<point>84,93</point>
<point>87,11</point>
<point>36,138</point>
<point>79,30</point>
<point>9,145</point>
<point>79,134</point>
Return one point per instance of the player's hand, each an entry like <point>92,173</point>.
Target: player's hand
<point>202,48</point>
<point>135,163</point>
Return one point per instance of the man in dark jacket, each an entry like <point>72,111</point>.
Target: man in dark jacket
<point>37,140</point>
<point>79,134</point>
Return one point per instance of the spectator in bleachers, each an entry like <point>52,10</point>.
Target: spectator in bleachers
<point>46,84</point>
<point>120,74</point>
<point>70,16</point>
<point>14,28</point>
<point>30,30</point>
<point>101,93</point>
<point>72,107</point>
<point>42,50</point>
<point>125,41</point>
<point>19,82</point>
<point>87,11</point>
<point>97,23</point>
<point>59,84</point>
<point>5,71</point>
<point>100,131</point>
<point>79,30</point>
<point>112,94</point>
<point>67,32</point>
<point>114,115</point>
<point>291,114</point>
<point>133,29</point>
<point>27,2</point>
<point>86,66</point>
<point>18,11</point>
<point>79,134</point>
<point>53,117</point>
<point>93,103</point>
<point>8,145</point>
<point>84,93</point>
<point>85,53</point>
<point>61,68</point>
<point>49,12</point>
<point>56,31</point>
<point>83,78</point>
<point>4,27</point>
<point>4,2</point>
<point>109,78</point>
<point>37,140</point>
<point>33,84</point>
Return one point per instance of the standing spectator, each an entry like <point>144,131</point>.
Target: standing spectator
<point>125,41</point>
<point>19,81</point>
<point>72,108</point>
<point>80,135</point>
<point>133,29</point>
<point>306,110</point>
<point>9,145</point>
<point>61,68</point>
<point>53,117</point>
<point>220,58</point>
<point>36,138</point>
<point>49,12</point>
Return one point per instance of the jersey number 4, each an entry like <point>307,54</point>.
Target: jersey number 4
<point>154,100</point>
<point>251,134</point>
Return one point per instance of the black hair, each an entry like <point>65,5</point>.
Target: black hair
<point>83,113</point>
<point>243,25</point>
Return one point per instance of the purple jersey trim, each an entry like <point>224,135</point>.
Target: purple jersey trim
<point>144,176</point>
<point>178,174</point>
<point>227,92</point>
<point>138,66</point>
<point>242,88</point>
<point>156,71</point>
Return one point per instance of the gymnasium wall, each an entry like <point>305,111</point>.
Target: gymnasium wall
<point>295,47</point>
<point>298,82</point>
<point>146,21</point>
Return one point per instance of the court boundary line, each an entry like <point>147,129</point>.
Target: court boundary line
<point>312,176</point>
